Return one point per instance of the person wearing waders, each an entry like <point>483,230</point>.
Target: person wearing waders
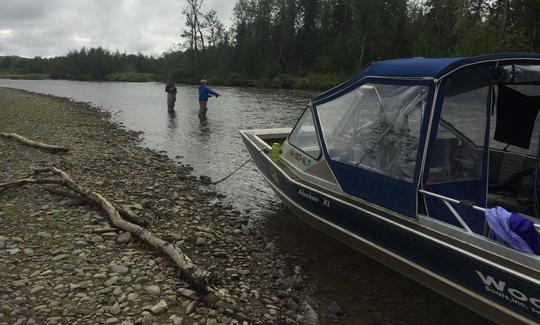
<point>204,94</point>
<point>171,91</point>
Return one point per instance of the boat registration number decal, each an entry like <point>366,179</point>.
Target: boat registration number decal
<point>313,198</point>
<point>300,158</point>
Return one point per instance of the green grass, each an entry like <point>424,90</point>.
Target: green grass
<point>8,214</point>
<point>19,75</point>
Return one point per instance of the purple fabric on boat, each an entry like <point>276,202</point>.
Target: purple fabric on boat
<point>499,222</point>
<point>525,229</point>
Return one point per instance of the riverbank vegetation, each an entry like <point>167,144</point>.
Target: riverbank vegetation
<point>307,43</point>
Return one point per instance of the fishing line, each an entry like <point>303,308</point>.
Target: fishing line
<point>242,165</point>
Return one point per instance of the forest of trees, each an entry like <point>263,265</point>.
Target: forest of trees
<point>308,43</point>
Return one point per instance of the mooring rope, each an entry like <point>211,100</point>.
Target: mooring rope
<point>242,165</point>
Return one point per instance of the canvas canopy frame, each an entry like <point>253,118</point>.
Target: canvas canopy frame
<point>430,73</point>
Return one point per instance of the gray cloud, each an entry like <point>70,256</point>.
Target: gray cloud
<point>53,27</point>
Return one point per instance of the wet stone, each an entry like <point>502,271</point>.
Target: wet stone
<point>334,308</point>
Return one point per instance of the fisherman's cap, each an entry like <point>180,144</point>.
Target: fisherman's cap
<point>204,81</point>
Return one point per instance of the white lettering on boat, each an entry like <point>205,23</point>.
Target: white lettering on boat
<point>313,198</point>
<point>512,295</point>
<point>308,196</point>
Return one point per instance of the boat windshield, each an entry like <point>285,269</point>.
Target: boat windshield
<point>376,127</point>
<point>304,137</point>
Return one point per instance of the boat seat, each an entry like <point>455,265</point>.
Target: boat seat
<point>511,182</point>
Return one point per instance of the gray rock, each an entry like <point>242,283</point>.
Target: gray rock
<point>119,268</point>
<point>14,251</point>
<point>36,289</point>
<point>17,240</point>
<point>99,276</point>
<point>147,319</point>
<point>28,251</point>
<point>44,235</point>
<point>334,308</point>
<point>187,293</point>
<point>132,296</point>
<point>124,238</point>
<point>97,239</point>
<point>153,290</point>
<point>211,322</point>
<point>159,308</point>
<point>136,206</point>
<point>3,267</point>
<point>19,283</point>
<point>310,316</point>
<point>200,241</point>
<point>80,243</point>
<point>292,305</point>
<point>111,281</point>
<point>105,291</point>
<point>176,320</point>
<point>112,320</point>
<point>190,307</point>
<point>59,257</point>
<point>117,291</point>
<point>2,245</point>
<point>115,309</point>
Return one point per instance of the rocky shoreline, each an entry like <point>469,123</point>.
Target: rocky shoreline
<point>62,263</point>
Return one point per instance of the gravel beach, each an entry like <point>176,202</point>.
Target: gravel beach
<point>62,263</point>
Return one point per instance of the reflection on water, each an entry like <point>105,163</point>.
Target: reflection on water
<point>212,146</point>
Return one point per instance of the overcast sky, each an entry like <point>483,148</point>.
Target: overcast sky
<point>53,27</point>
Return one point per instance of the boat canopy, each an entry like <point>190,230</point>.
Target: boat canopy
<point>402,125</point>
<point>415,68</point>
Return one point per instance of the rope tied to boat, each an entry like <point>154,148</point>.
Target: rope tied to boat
<point>241,166</point>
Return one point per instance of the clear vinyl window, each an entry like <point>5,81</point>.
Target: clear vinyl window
<point>458,153</point>
<point>376,127</point>
<point>304,136</point>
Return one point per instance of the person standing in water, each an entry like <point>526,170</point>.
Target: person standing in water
<point>204,94</point>
<point>171,91</point>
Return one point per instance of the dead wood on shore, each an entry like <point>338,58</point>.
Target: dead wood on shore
<point>198,278</point>
<point>36,144</point>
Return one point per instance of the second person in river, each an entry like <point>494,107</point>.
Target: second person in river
<point>204,94</point>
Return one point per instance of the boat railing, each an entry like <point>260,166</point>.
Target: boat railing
<point>462,203</point>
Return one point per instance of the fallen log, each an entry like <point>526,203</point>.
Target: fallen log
<point>32,143</point>
<point>195,276</point>
<point>79,200</point>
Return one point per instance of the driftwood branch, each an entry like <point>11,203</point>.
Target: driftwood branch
<point>32,143</point>
<point>198,278</point>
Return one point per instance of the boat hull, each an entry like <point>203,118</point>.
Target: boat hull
<point>493,291</point>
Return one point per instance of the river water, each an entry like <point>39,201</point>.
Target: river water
<point>369,292</point>
<point>214,147</point>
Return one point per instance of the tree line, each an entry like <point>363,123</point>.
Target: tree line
<point>309,43</point>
